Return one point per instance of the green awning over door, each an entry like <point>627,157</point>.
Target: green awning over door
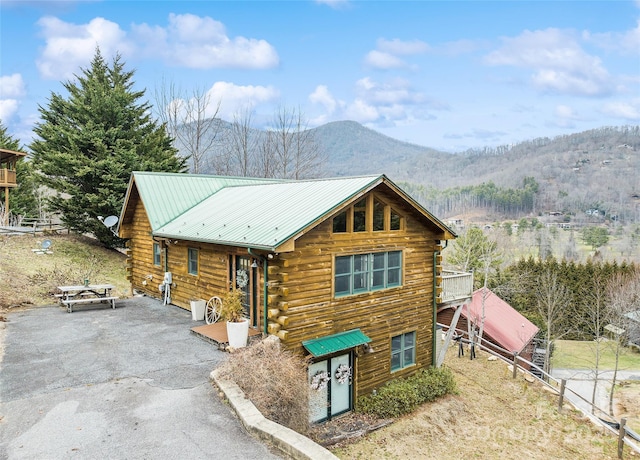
<point>336,342</point>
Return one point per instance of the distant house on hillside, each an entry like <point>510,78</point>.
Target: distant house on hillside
<point>633,321</point>
<point>505,329</point>
<point>345,271</point>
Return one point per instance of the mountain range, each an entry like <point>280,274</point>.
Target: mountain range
<point>591,170</point>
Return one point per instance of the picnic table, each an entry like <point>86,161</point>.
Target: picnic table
<point>86,294</point>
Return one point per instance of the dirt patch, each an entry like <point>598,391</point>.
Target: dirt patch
<point>345,429</point>
<point>627,403</point>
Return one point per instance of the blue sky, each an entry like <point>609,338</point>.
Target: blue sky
<point>444,74</point>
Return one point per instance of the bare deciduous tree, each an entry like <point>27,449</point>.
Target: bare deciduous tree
<point>190,118</point>
<point>553,302</point>
<point>595,316</point>
<point>242,143</point>
<point>293,146</point>
<point>624,298</point>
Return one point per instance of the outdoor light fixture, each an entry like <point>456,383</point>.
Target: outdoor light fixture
<point>254,264</point>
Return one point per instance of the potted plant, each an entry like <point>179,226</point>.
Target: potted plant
<point>232,312</point>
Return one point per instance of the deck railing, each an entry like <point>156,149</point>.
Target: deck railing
<point>7,177</point>
<point>455,286</point>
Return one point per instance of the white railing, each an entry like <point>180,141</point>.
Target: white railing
<point>455,286</point>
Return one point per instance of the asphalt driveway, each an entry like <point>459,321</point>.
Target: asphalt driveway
<point>129,383</point>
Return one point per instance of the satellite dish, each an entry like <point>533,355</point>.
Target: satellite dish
<point>46,244</point>
<point>110,221</point>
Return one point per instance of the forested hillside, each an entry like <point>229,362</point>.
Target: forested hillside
<point>596,170</point>
<point>587,177</point>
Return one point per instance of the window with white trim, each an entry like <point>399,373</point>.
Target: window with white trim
<point>367,272</point>
<point>403,351</point>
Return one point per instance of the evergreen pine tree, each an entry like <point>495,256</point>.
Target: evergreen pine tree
<point>88,144</point>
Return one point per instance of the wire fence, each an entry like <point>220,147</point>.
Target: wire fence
<point>626,436</point>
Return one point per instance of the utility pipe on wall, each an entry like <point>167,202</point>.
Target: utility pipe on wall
<point>265,294</point>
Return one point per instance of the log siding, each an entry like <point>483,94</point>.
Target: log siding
<point>301,302</point>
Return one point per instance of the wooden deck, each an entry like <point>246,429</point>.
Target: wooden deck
<point>216,333</point>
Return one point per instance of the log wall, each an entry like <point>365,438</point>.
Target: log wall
<point>301,303</point>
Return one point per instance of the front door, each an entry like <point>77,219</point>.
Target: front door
<point>331,387</point>
<point>244,277</point>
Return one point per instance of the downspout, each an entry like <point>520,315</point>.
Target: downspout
<point>265,294</point>
<point>434,343</point>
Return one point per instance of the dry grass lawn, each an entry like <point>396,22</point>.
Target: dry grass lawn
<point>31,279</point>
<point>493,417</point>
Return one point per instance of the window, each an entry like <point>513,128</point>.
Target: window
<point>366,215</point>
<point>193,261</point>
<point>367,272</point>
<point>340,223</point>
<point>156,254</point>
<point>378,216</point>
<point>360,216</point>
<point>396,221</point>
<point>403,351</point>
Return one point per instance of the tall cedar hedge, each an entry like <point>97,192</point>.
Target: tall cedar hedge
<point>579,278</point>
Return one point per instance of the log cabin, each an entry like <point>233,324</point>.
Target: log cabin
<point>346,271</point>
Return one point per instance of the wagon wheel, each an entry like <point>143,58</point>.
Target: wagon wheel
<point>212,312</point>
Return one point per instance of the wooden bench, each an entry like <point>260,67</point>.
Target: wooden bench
<point>87,301</point>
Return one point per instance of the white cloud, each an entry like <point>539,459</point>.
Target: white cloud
<point>558,62</point>
<point>362,112</point>
<point>380,60</point>
<point>236,97</point>
<point>11,89</point>
<point>335,4</point>
<point>385,56</point>
<point>187,41</point>
<point>626,43</point>
<point>397,91</point>
<point>388,103</point>
<point>70,46</point>
<point>202,43</point>
<point>8,108</point>
<point>626,110</point>
<point>564,111</point>
<point>400,47</point>
<point>11,86</point>
<point>321,95</point>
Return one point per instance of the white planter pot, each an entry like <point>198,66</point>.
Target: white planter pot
<point>238,333</point>
<point>197,310</point>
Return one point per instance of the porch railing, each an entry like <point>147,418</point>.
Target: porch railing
<point>455,286</point>
<point>7,177</point>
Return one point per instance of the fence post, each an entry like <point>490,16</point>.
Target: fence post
<point>563,383</point>
<point>621,433</point>
<point>515,364</point>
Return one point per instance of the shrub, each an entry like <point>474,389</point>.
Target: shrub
<point>274,380</point>
<point>402,396</point>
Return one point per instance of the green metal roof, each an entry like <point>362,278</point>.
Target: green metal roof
<point>263,216</point>
<point>167,195</point>
<point>247,212</point>
<point>336,342</point>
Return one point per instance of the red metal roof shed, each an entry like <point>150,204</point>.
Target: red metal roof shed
<point>506,326</point>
